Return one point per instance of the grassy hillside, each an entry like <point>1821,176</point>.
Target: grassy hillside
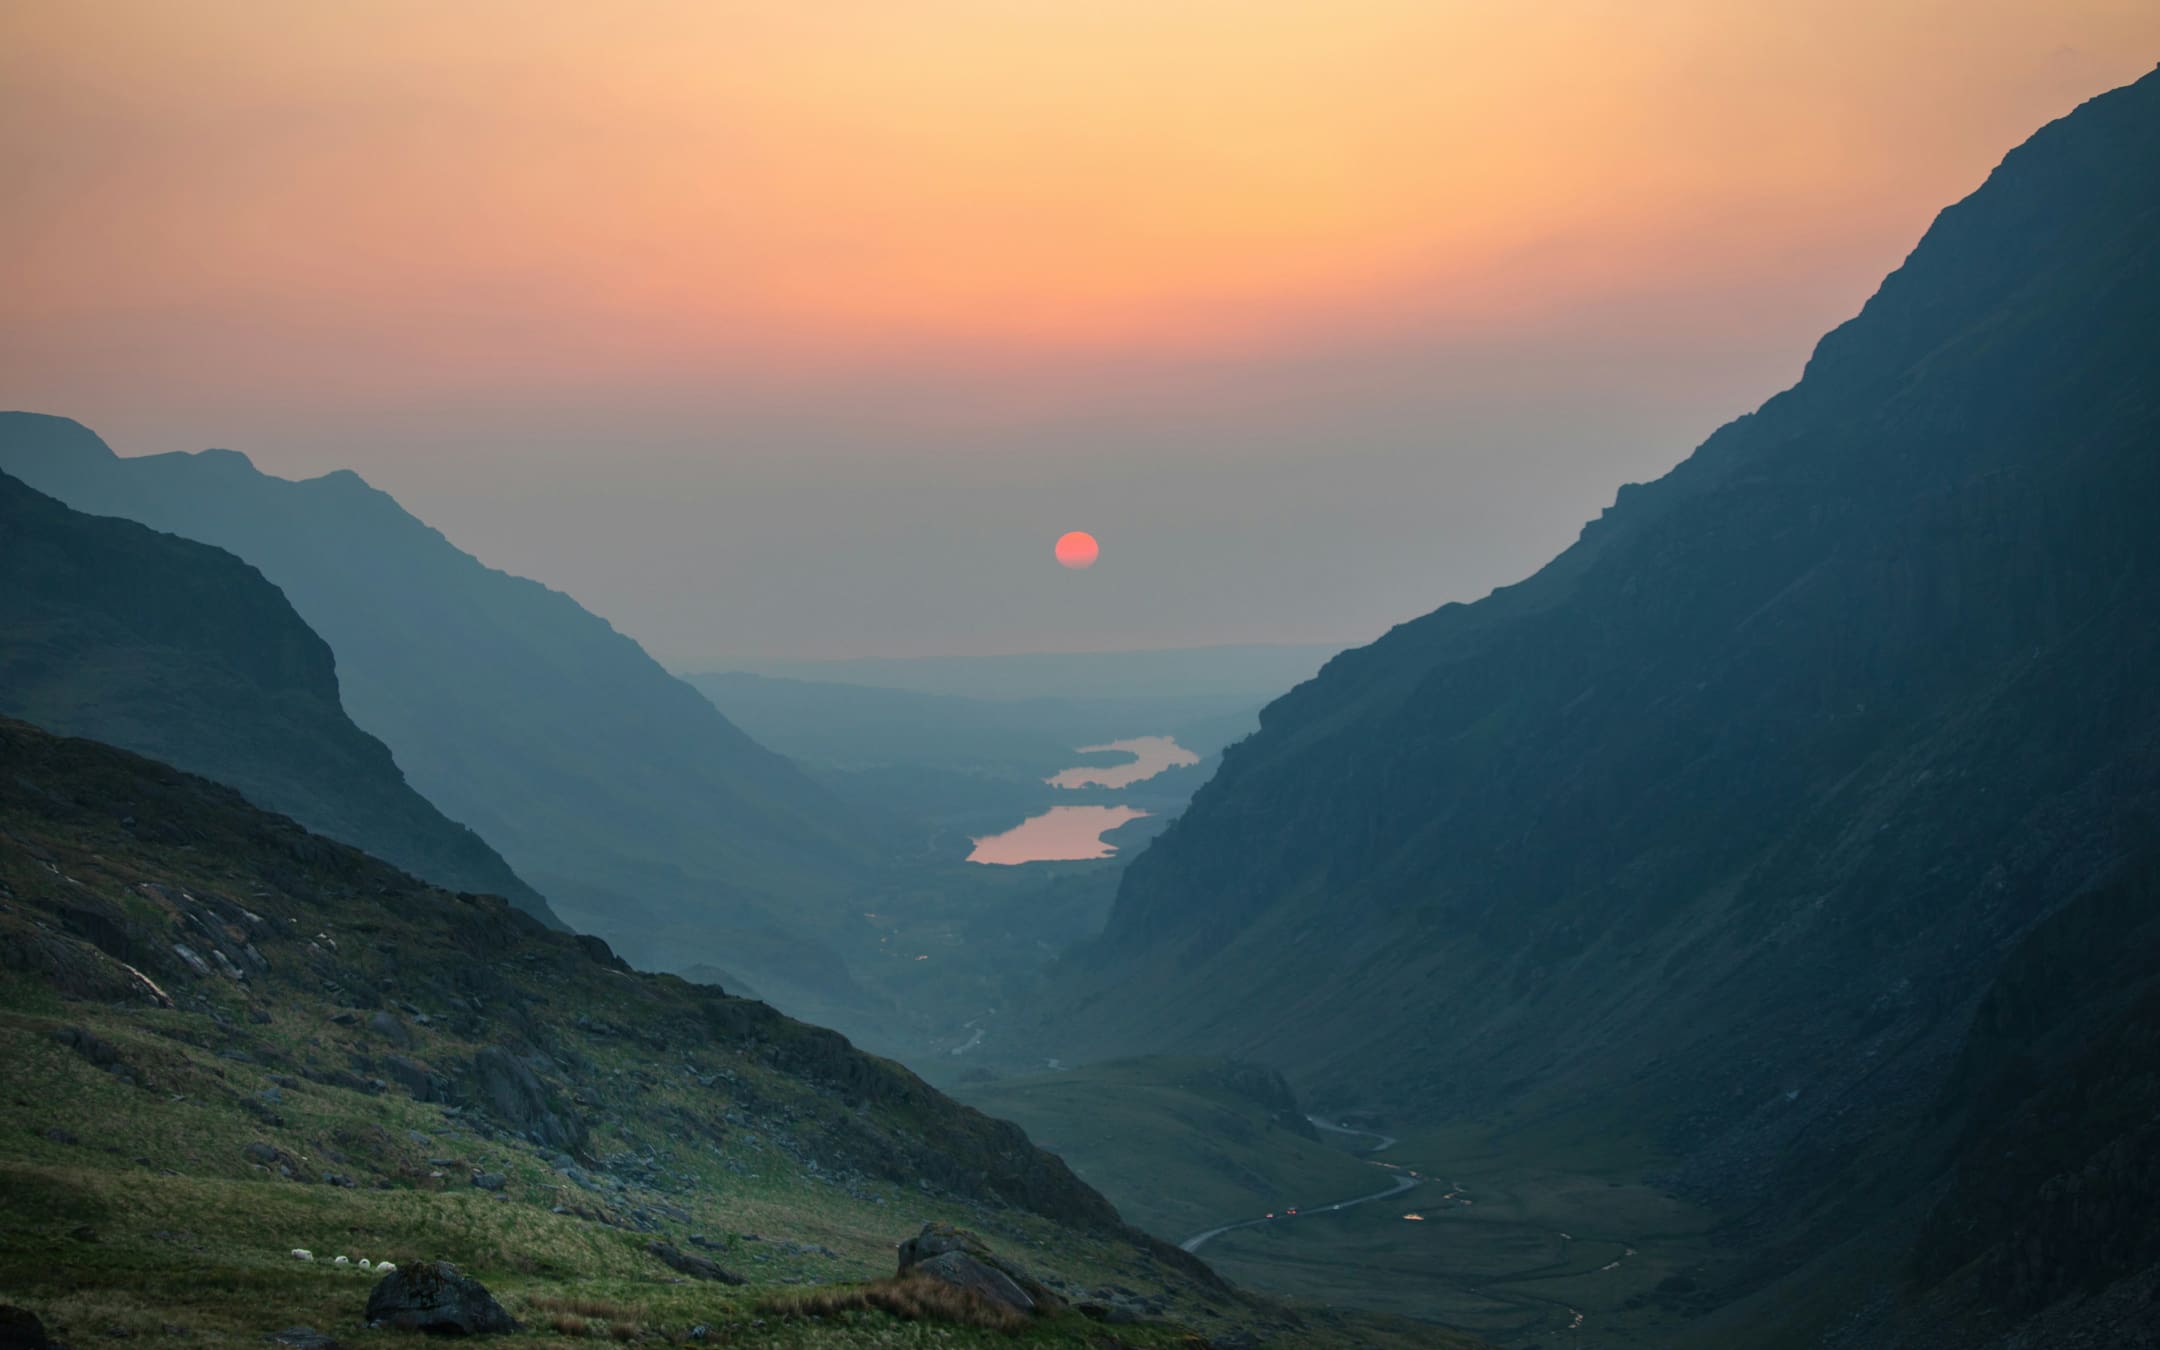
<point>227,1038</point>
<point>1179,1145</point>
<point>178,650</point>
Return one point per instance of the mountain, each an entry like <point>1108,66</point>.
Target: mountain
<point>856,726</point>
<point>176,649</point>
<point>640,810</point>
<point>1251,672</point>
<point>1721,826</point>
<point>227,1038</point>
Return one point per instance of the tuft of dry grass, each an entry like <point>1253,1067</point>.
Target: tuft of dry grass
<point>912,1298</point>
<point>569,1324</point>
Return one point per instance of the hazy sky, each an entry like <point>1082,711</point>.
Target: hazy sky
<point>805,327</point>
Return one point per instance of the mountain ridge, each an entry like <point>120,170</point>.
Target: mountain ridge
<point>111,629</point>
<point>1722,820</point>
<point>644,813</point>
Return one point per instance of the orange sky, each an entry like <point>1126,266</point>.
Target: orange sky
<point>231,219</point>
<point>804,179</point>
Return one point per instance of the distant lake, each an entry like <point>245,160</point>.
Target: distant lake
<point>1150,756</point>
<point>1069,833</point>
<point>1062,833</point>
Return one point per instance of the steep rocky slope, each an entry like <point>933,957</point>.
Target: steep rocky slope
<point>1721,824</point>
<point>175,649</point>
<point>228,1038</point>
<point>641,811</point>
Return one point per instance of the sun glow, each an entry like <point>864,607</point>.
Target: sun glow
<point>573,189</point>
<point>1077,550</point>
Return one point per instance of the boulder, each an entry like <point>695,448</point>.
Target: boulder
<point>963,1271</point>
<point>20,1329</point>
<point>391,1029</point>
<point>960,1258</point>
<point>433,1297</point>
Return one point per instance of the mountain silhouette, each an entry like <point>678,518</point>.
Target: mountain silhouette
<point>115,632</point>
<point>623,794</point>
<point>1722,823</point>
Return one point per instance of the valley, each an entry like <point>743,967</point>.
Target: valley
<point>1743,929</point>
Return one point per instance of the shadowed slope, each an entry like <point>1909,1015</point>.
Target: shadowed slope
<point>175,649</point>
<point>641,810</point>
<point>1721,821</point>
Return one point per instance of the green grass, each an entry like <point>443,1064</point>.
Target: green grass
<point>1522,1232</point>
<point>133,1204</point>
<point>1175,1148</point>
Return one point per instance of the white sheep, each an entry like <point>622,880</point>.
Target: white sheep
<point>341,1261</point>
<point>302,1254</point>
<point>385,1267</point>
<point>363,1263</point>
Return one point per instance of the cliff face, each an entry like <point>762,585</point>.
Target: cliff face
<point>175,649</point>
<point>1724,819</point>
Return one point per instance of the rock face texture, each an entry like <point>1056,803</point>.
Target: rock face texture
<point>181,651</point>
<point>959,1258</point>
<point>433,1297</point>
<point>514,1094</point>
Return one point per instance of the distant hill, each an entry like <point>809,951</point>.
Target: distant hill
<point>640,810</point>
<point>1720,826</point>
<point>855,726</point>
<point>176,649</point>
<point>1254,670</point>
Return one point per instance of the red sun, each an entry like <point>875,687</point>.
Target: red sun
<point>1077,549</point>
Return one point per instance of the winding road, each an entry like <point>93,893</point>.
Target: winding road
<point>1387,1141</point>
<point>1402,1182</point>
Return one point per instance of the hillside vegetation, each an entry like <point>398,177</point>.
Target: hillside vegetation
<point>228,1038</point>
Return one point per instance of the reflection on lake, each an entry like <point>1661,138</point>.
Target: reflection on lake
<point>1061,833</point>
<point>1150,756</point>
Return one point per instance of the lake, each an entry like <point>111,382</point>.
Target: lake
<point>1062,833</point>
<point>1071,833</point>
<point>1150,756</point>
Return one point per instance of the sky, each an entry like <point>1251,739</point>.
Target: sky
<point>803,330</point>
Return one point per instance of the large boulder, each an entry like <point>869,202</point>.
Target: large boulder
<point>20,1329</point>
<point>963,1271</point>
<point>963,1260</point>
<point>433,1297</point>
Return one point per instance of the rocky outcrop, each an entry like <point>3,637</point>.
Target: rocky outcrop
<point>691,1264</point>
<point>433,1297</point>
<point>959,1258</point>
<point>509,1090</point>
